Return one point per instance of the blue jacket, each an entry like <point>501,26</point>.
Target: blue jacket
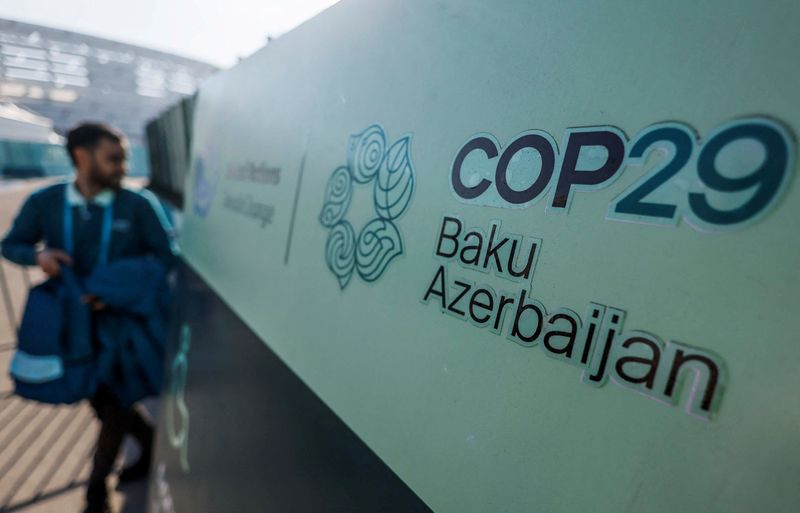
<point>139,227</point>
<point>132,329</point>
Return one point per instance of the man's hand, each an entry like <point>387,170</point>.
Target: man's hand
<point>94,302</point>
<point>50,261</point>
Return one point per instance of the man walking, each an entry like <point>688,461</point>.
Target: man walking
<point>81,224</point>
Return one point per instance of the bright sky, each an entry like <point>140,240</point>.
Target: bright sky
<point>214,31</point>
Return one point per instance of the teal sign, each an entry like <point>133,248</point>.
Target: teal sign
<point>582,267</point>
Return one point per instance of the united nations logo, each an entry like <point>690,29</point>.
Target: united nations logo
<point>390,173</point>
<point>205,187</point>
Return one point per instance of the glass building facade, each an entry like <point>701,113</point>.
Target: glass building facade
<point>70,77</point>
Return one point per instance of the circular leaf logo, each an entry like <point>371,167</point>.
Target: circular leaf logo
<point>392,176</point>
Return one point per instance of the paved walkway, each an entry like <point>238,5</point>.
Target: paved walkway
<point>44,450</point>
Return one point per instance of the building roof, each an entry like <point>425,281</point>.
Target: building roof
<point>18,123</point>
<point>70,77</point>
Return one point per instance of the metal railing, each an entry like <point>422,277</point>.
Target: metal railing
<point>8,300</point>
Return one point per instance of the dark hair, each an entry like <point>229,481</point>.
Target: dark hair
<point>88,135</point>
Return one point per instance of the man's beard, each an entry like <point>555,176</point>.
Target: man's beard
<point>103,181</point>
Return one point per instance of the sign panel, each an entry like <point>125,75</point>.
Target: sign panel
<point>239,431</point>
<point>474,230</point>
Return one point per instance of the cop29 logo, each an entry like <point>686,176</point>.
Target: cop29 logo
<point>371,161</point>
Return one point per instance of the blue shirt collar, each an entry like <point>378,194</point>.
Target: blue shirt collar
<point>104,198</point>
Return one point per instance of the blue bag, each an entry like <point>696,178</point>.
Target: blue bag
<point>55,362</point>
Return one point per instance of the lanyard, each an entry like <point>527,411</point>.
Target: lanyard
<point>105,232</point>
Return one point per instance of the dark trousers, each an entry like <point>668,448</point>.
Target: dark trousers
<point>115,422</point>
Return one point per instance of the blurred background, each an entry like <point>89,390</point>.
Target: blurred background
<point>137,66</point>
<point>123,63</point>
